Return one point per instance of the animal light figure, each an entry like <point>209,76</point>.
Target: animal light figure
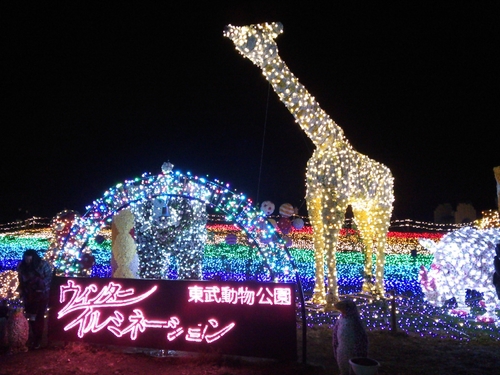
<point>463,259</point>
<point>337,175</point>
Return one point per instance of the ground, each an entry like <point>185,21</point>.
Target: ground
<point>397,353</point>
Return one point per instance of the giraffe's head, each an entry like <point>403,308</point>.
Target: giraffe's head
<point>255,42</point>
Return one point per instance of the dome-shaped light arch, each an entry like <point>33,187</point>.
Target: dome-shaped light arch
<point>235,206</point>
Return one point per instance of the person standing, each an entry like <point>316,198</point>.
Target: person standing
<point>35,276</point>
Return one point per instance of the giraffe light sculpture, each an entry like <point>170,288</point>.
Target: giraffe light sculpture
<point>337,175</point>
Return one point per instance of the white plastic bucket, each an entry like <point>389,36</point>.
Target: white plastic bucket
<point>364,366</point>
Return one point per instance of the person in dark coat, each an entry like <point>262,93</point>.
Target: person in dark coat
<point>35,276</point>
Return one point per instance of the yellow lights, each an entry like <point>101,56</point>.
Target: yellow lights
<point>337,176</point>
<point>9,284</point>
<point>490,219</point>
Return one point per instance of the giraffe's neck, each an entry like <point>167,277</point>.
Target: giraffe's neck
<point>317,125</point>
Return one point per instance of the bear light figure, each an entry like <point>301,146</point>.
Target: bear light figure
<point>463,259</point>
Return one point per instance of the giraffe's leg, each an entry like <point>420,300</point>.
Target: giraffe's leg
<point>314,210</point>
<point>383,218</point>
<point>333,218</point>
<point>373,225</point>
<point>368,285</point>
<point>380,248</point>
<point>364,222</point>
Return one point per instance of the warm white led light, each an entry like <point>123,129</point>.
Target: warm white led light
<point>337,175</point>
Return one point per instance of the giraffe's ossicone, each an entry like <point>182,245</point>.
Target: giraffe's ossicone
<point>337,176</point>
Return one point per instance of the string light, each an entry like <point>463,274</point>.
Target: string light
<point>239,262</point>
<point>463,259</point>
<point>337,176</point>
<point>170,218</point>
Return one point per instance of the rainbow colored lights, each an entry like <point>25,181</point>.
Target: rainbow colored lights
<point>240,262</point>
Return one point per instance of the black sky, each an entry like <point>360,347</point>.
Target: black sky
<point>98,93</point>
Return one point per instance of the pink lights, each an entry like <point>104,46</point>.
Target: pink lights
<point>240,295</point>
<point>113,295</point>
<point>242,318</point>
<point>199,333</point>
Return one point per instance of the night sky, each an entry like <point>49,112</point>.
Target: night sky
<point>98,93</point>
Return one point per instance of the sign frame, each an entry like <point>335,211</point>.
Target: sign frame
<point>255,319</point>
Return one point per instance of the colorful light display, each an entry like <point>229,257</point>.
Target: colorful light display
<point>463,259</point>
<point>337,176</point>
<point>240,262</point>
<point>241,318</point>
<point>170,217</point>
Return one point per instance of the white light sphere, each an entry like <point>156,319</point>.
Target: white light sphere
<point>267,207</point>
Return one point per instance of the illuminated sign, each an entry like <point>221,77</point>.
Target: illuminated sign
<point>250,319</point>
